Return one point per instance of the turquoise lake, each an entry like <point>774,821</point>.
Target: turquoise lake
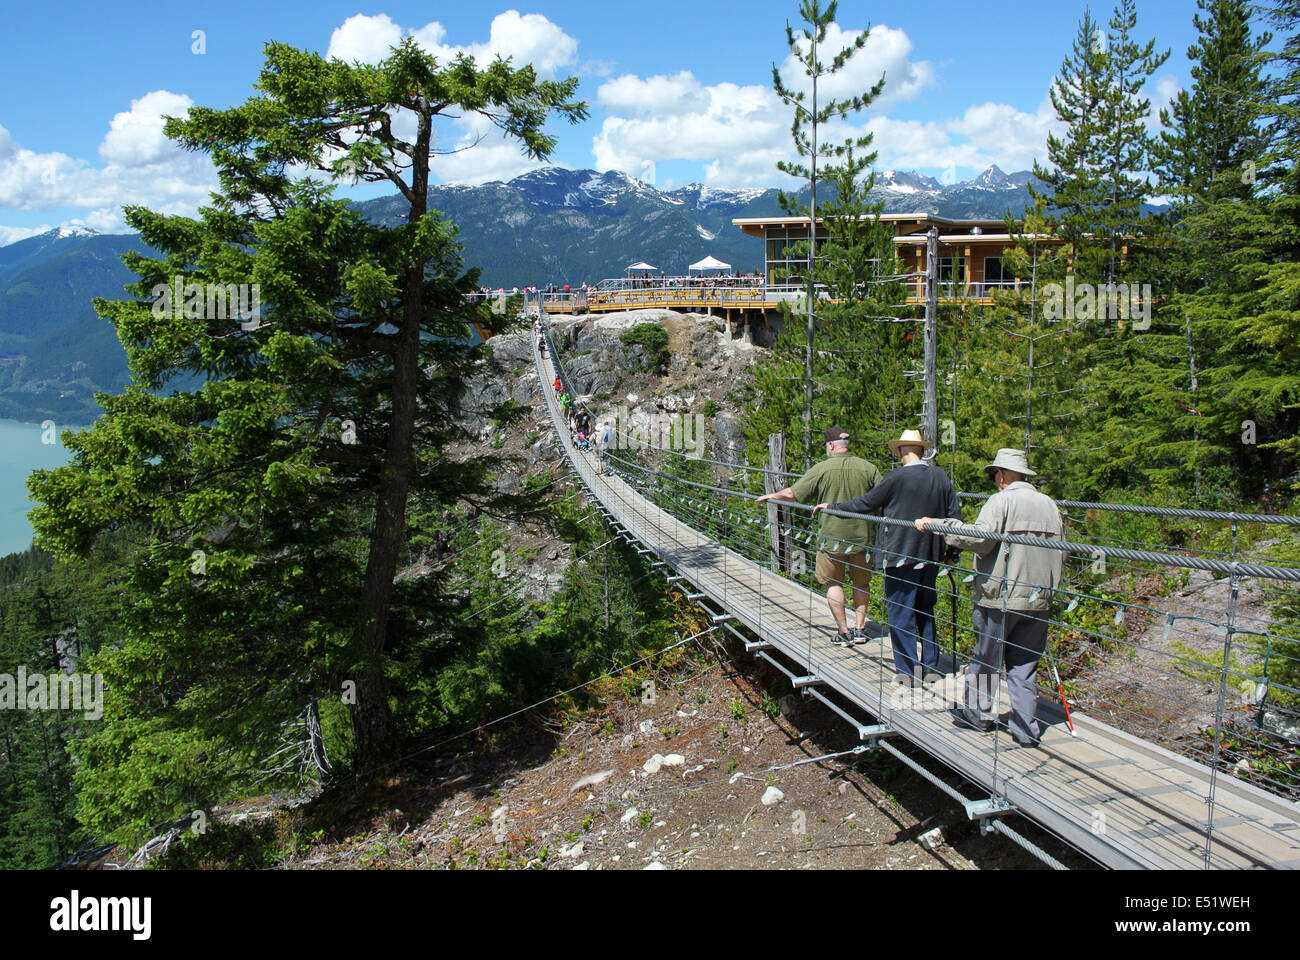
<point>21,452</point>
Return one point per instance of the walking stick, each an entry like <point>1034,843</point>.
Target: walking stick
<point>1059,688</point>
<point>952,603</point>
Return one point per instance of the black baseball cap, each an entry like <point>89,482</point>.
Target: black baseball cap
<point>836,434</point>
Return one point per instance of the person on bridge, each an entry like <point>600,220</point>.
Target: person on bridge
<point>582,420</point>
<point>917,488</point>
<point>842,538</point>
<point>1012,591</point>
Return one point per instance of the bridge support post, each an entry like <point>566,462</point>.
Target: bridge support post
<point>930,417</point>
<point>778,518</point>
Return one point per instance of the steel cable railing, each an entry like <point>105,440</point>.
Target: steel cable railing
<point>743,533</point>
<point>726,515</point>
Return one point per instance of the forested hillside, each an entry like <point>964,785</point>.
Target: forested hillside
<point>290,548</point>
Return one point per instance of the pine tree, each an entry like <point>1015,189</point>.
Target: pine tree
<point>268,507</point>
<point>1212,136</point>
<point>837,357</point>
<point>1127,145</point>
<point>1073,177</point>
<point>855,250</point>
<point>1248,304</point>
<point>1097,184</point>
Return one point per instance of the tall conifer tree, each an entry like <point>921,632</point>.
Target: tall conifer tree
<point>268,506</point>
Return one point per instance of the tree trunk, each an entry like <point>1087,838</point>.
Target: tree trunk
<point>778,518</point>
<point>372,720</point>
<point>316,740</point>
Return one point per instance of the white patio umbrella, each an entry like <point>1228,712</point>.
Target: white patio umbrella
<point>709,263</point>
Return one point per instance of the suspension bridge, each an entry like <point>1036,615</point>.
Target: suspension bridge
<point>1116,795</point>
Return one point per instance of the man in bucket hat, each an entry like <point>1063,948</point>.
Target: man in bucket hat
<point>1013,596</point>
<point>841,548</point>
<point>910,558</point>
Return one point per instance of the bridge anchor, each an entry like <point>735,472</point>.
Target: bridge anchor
<point>985,810</point>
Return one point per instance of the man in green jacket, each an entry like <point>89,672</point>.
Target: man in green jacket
<point>1012,591</point>
<point>839,477</point>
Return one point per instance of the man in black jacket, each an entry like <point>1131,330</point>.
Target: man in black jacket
<point>909,557</point>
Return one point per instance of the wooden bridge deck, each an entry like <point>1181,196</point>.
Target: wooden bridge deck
<point>1125,802</point>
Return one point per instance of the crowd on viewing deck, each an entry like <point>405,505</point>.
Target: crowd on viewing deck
<point>732,281</point>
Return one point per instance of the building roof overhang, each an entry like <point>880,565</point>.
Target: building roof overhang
<point>757,226</point>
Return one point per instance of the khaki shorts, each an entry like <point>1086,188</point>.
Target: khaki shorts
<point>831,568</point>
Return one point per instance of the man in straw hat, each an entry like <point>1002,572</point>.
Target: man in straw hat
<point>1013,596</point>
<point>842,538</point>
<point>910,558</point>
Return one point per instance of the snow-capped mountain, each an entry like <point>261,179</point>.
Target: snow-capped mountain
<point>904,182</point>
<point>701,197</point>
<point>575,226</point>
<point>552,187</point>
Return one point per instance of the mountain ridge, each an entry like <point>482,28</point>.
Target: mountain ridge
<point>553,224</point>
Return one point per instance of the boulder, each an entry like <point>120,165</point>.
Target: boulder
<point>730,441</point>
<point>511,349</point>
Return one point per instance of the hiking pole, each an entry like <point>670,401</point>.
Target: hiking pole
<point>1059,688</point>
<point>952,603</point>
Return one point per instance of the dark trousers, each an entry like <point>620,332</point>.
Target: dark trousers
<point>909,605</point>
<point>1018,639</point>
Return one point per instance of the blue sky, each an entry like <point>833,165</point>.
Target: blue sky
<point>679,91</point>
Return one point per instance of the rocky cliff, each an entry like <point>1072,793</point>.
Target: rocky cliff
<point>706,375</point>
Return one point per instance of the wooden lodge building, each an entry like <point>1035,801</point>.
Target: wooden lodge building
<point>970,251</point>
<point>970,267</point>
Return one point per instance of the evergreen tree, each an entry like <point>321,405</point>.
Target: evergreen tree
<point>852,255</point>
<point>1074,175</point>
<point>1233,260</point>
<point>268,508</point>
<point>1097,185</point>
<point>1212,135</point>
<point>837,357</point>
<point>1127,145</point>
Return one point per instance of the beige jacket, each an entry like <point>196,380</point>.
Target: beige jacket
<point>1010,576</point>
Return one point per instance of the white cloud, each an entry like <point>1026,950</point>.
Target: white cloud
<point>886,52</point>
<point>141,167</point>
<point>135,137</point>
<point>680,93</point>
<point>527,38</point>
<point>28,180</point>
<point>10,235</point>
<point>597,67</point>
<point>364,38</point>
<point>1167,87</point>
<point>738,132</point>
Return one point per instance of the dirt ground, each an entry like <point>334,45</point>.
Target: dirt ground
<point>1161,681</point>
<point>594,797</point>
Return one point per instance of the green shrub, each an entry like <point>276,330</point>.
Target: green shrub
<point>653,339</point>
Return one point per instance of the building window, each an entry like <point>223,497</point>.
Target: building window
<point>783,265</point>
<point>952,269</point>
